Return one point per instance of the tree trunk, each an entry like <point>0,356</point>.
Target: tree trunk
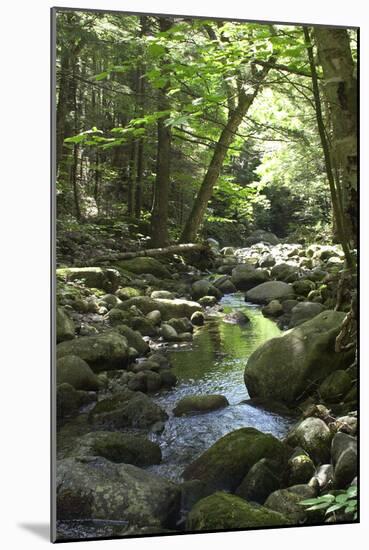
<point>199,207</point>
<point>337,211</point>
<point>341,92</point>
<point>159,214</point>
<point>152,252</point>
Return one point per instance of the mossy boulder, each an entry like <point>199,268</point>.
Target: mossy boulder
<point>344,459</point>
<point>245,276</point>
<point>199,404</point>
<point>203,288</point>
<point>162,294</point>
<point>75,371</point>
<point>300,468</point>
<point>93,277</point>
<point>143,265</point>
<point>127,292</point>
<point>93,487</point>
<point>284,272</point>
<point>335,386</point>
<point>118,447</point>
<point>134,339</point>
<point>168,308</point>
<point>261,236</point>
<point>224,465</point>
<point>288,367</point>
<point>126,408</point>
<point>287,502</point>
<point>69,400</point>
<point>224,511</point>
<point>304,311</point>
<point>302,287</point>
<point>271,290</point>
<point>107,350</point>
<point>259,482</point>
<point>314,436</point>
<point>64,326</point>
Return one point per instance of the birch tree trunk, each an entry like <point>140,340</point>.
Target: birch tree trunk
<point>340,87</point>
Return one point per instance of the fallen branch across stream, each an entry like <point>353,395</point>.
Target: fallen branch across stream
<point>152,252</point>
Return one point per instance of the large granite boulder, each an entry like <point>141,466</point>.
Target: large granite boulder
<point>245,276</point>
<point>73,370</point>
<point>271,290</point>
<point>107,350</point>
<point>225,464</point>
<point>168,308</point>
<point>143,265</point>
<point>225,511</point>
<point>64,326</point>
<point>193,404</point>
<point>314,436</point>
<point>94,277</point>
<point>93,487</point>
<point>288,367</point>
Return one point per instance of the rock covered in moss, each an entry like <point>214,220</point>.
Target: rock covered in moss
<point>168,308</point>
<point>259,482</point>
<point>197,318</point>
<point>94,277</point>
<point>93,487</point>
<point>224,465</point>
<point>335,386</point>
<point>199,403</point>
<point>284,368</point>
<point>143,265</point>
<point>225,511</point>
<point>134,339</point>
<point>75,371</point>
<point>64,325</point>
<point>105,351</point>
<point>300,468</point>
<point>127,292</point>
<point>118,447</point>
<point>271,290</point>
<point>69,400</point>
<point>246,276</point>
<point>344,459</point>
<point>286,502</point>
<point>126,408</point>
<point>303,311</point>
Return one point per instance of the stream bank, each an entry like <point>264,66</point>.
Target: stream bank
<point>168,331</point>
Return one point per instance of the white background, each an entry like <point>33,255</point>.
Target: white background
<point>24,256</point>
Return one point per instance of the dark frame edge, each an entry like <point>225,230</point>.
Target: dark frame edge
<point>53,536</point>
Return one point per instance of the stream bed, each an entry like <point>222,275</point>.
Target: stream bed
<point>214,363</point>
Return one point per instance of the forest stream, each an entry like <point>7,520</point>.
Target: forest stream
<point>214,364</point>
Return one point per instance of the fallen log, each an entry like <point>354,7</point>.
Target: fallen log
<point>152,252</point>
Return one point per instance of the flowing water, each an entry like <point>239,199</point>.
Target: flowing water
<point>215,363</point>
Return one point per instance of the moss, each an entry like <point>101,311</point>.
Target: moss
<point>143,265</point>
<point>200,403</point>
<point>225,511</point>
<point>225,464</point>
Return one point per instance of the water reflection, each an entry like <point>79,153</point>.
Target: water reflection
<point>215,364</point>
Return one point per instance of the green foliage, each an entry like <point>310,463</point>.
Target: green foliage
<point>345,501</point>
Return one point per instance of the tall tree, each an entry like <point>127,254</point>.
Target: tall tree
<point>235,118</point>
<point>159,213</point>
<point>340,86</point>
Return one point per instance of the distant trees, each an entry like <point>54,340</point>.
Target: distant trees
<point>175,123</point>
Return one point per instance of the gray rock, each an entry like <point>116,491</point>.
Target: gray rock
<point>197,318</point>
<point>154,317</point>
<point>286,502</point>
<point>118,447</point>
<point>284,272</point>
<point>314,436</point>
<point>259,482</point>
<point>259,235</point>
<point>64,325</point>
<point>127,408</point>
<point>271,290</point>
<point>199,404</point>
<point>300,468</point>
<point>96,488</point>
<point>273,309</point>
<point>287,367</point>
<point>134,339</point>
<point>335,386</point>
<point>168,333</point>
<point>162,294</point>
<point>75,371</point>
<point>344,459</point>
<point>94,277</point>
<point>245,276</point>
<point>303,311</point>
<point>105,351</point>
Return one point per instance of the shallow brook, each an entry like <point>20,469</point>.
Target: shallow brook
<point>214,363</point>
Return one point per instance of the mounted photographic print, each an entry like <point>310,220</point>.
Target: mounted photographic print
<point>205,212</point>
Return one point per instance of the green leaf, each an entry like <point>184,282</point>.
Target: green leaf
<point>156,50</point>
<point>318,506</point>
<point>101,76</point>
<point>333,508</point>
